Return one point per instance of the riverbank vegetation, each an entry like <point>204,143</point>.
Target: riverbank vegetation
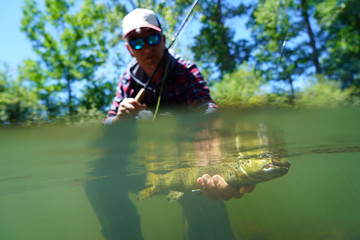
<point>298,54</point>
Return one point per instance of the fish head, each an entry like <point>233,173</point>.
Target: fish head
<point>263,167</point>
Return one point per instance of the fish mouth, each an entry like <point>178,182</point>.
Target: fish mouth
<point>278,163</point>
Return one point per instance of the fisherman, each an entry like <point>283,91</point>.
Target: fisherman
<point>179,83</point>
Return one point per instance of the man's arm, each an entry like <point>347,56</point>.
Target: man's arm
<point>198,92</point>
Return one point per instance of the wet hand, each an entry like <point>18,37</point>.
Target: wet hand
<point>216,187</point>
<point>129,107</point>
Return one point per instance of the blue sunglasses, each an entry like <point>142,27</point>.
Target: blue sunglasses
<point>152,40</point>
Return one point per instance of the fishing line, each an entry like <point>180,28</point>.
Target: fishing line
<point>161,88</point>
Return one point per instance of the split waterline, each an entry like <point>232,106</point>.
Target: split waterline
<point>66,182</point>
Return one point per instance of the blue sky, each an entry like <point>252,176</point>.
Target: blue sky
<point>14,46</point>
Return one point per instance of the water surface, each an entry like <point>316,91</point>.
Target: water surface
<point>81,182</point>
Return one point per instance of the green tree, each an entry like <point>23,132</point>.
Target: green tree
<point>19,103</point>
<point>308,6</point>
<point>340,21</point>
<point>98,93</point>
<point>276,22</point>
<point>72,40</point>
<point>238,89</point>
<point>323,93</point>
<point>215,45</point>
<point>36,78</point>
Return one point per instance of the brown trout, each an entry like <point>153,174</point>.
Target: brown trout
<point>245,171</point>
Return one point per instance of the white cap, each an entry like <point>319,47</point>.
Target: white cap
<point>140,18</point>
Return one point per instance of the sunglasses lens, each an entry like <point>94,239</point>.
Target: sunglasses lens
<point>154,39</point>
<point>137,43</point>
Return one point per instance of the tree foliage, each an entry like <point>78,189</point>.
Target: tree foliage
<point>275,23</point>
<point>33,74</point>
<point>340,21</point>
<point>324,93</point>
<point>19,103</point>
<point>72,41</point>
<point>215,45</point>
<point>239,88</point>
<point>76,41</point>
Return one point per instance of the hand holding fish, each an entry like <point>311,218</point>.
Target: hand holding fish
<point>216,187</point>
<point>237,178</point>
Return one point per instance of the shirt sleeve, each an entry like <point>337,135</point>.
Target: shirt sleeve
<point>198,92</point>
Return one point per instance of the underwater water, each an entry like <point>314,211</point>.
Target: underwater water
<point>61,182</point>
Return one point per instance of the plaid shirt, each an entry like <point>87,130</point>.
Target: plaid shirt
<point>184,86</point>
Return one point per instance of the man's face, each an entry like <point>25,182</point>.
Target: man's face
<point>148,56</point>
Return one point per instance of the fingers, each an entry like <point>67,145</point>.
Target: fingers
<point>247,189</point>
<point>217,188</point>
<point>130,107</point>
<point>226,191</point>
<point>206,184</point>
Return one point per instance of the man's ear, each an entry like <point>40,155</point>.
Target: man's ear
<point>129,49</point>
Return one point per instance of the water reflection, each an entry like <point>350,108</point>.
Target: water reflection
<point>43,171</point>
<point>162,146</point>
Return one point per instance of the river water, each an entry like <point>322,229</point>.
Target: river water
<point>61,182</point>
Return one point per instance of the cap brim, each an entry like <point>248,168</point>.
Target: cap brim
<point>142,26</point>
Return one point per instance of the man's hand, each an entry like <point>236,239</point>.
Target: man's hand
<point>129,107</point>
<point>216,187</point>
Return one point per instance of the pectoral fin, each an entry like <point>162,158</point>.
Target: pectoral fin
<point>174,195</point>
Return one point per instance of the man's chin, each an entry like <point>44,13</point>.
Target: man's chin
<point>151,62</point>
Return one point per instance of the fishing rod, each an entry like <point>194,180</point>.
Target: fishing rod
<point>282,48</point>
<point>141,93</point>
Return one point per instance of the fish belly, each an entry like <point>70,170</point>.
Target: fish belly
<point>185,180</point>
